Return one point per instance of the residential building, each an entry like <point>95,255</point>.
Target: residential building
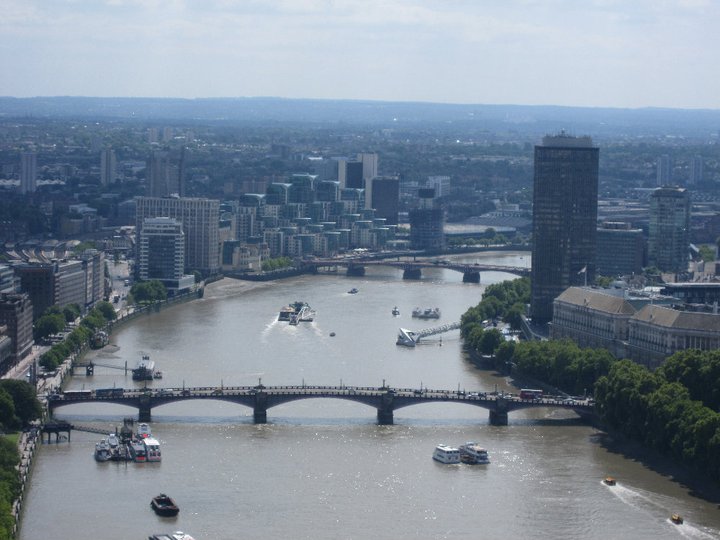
<point>664,170</point>
<point>565,193</point>
<point>108,167</point>
<point>28,172</point>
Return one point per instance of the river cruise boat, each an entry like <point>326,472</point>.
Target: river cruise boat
<point>138,452</point>
<point>296,312</point>
<point>145,370</point>
<point>473,454</point>
<point>446,454</point>
<point>102,451</point>
<point>152,449</point>
<point>426,313</point>
<point>143,430</point>
<point>164,506</point>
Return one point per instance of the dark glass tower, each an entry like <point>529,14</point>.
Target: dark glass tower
<point>565,193</point>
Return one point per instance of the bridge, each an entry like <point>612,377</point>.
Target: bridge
<point>410,338</point>
<point>261,398</point>
<point>413,269</point>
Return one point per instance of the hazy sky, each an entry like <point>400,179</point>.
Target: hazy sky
<point>617,53</point>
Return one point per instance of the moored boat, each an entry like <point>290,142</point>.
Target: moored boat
<point>138,452</point>
<point>446,454</point>
<point>152,449</point>
<point>163,505</point>
<point>144,370</point>
<point>473,454</point>
<point>102,451</point>
<point>143,430</point>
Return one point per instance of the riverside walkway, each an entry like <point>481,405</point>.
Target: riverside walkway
<point>261,398</point>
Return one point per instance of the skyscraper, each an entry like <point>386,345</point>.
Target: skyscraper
<point>162,250</point>
<point>28,172</point>
<point>669,229</point>
<point>386,198</point>
<point>565,193</point>
<point>108,167</point>
<point>664,170</point>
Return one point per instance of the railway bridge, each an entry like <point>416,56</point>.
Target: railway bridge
<point>261,398</point>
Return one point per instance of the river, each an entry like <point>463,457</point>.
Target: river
<point>321,468</point>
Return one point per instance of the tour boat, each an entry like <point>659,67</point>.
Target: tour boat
<point>138,452</point>
<point>143,430</point>
<point>164,506</point>
<point>152,449</point>
<point>426,313</point>
<point>474,454</point>
<point>446,454</point>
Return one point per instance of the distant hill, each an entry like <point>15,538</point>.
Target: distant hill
<point>268,110</point>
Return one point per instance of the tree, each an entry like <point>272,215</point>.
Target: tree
<point>107,310</point>
<point>490,341</point>
<point>27,407</point>
<point>48,325</point>
<point>71,312</point>
<point>8,419</point>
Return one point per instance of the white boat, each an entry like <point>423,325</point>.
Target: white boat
<point>426,313</point>
<point>473,454</point>
<point>406,338</point>
<point>152,449</point>
<point>102,451</point>
<point>143,430</point>
<point>446,454</point>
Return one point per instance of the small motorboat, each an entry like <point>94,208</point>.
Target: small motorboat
<point>353,291</point>
<point>164,506</point>
<point>676,519</point>
<point>332,334</point>
<point>609,481</point>
<point>395,311</point>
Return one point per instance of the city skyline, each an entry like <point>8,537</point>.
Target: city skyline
<point>599,53</point>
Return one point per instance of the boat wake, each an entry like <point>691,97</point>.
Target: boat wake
<point>647,502</point>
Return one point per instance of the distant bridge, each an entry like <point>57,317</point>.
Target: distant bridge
<point>413,269</point>
<point>261,398</point>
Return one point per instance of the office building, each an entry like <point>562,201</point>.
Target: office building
<point>669,229</point>
<point>565,193</point>
<point>16,313</point>
<point>28,172</point>
<point>386,198</point>
<point>620,250</point>
<point>427,222</point>
<point>161,253</point>
<point>200,222</point>
<point>696,170</point>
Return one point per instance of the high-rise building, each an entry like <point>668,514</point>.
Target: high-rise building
<point>664,170</point>
<point>565,193</point>
<point>162,177</point>
<point>386,198</point>
<point>108,167</point>
<point>161,253</point>
<point>369,171</point>
<point>200,221</point>
<point>28,172</point>
<point>696,170</point>
<point>669,229</point>
<point>427,222</point>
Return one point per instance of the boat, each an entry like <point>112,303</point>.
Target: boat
<point>473,454</point>
<point>446,454</point>
<point>609,481</point>
<point>157,374</point>
<point>145,369</point>
<point>143,430</point>
<point>395,311</point>
<point>332,334</point>
<point>152,449</point>
<point>102,451</point>
<point>677,519</point>
<point>406,338</point>
<point>426,313</point>
<point>297,312</point>
<point>138,452</point>
<point>164,506</point>
<point>113,441</point>
<point>353,291</point>
<point>177,535</point>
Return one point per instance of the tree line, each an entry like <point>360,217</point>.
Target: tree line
<point>672,410</point>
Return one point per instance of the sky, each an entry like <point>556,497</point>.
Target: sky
<point>596,53</point>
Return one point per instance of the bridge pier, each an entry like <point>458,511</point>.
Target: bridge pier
<point>412,273</point>
<point>355,270</point>
<point>471,277</point>
<point>144,409</point>
<point>385,410</point>
<point>499,415</point>
<point>260,408</point>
